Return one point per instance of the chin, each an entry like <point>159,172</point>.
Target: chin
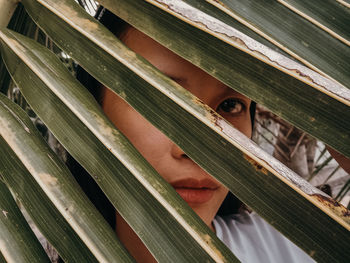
<point>205,212</point>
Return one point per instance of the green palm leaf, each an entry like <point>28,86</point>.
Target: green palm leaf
<point>318,105</point>
<point>40,208</point>
<point>82,104</point>
<point>57,183</point>
<point>296,36</point>
<point>261,75</point>
<point>330,16</point>
<point>345,3</point>
<point>18,243</point>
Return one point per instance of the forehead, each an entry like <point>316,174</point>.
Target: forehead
<point>161,57</point>
<point>186,74</point>
<point>154,52</point>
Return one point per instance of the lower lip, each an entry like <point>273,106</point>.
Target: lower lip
<point>195,195</point>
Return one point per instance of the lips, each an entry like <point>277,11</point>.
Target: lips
<point>195,191</point>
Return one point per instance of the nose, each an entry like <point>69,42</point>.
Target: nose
<point>177,152</point>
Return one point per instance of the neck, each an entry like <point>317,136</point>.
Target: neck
<point>133,243</point>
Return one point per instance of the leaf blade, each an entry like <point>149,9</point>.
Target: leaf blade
<point>53,178</point>
<point>40,209</point>
<point>330,16</point>
<point>267,86</point>
<point>17,242</point>
<point>116,144</point>
<point>229,171</point>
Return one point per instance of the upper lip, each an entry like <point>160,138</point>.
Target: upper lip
<point>195,183</point>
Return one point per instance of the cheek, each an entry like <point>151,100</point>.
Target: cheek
<point>243,124</point>
<point>150,142</point>
<point>246,128</point>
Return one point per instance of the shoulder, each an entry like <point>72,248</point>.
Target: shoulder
<point>251,239</point>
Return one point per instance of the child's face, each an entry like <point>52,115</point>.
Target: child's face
<point>203,193</point>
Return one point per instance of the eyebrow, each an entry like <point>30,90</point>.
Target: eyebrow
<point>227,90</point>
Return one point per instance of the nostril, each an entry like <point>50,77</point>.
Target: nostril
<point>177,152</point>
<point>184,155</point>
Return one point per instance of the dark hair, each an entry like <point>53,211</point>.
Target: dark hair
<point>117,26</point>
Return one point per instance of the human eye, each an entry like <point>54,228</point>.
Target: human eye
<point>231,106</point>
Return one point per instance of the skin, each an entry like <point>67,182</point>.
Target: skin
<point>341,159</point>
<point>165,156</point>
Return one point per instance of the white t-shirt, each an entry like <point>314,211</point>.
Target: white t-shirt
<point>252,240</point>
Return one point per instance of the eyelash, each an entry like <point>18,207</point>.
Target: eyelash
<point>228,105</point>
